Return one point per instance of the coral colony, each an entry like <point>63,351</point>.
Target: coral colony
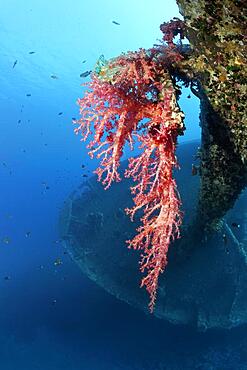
<point>133,99</point>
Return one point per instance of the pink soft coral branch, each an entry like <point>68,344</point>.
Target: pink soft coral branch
<point>157,195</point>
<point>113,117</point>
<point>122,93</point>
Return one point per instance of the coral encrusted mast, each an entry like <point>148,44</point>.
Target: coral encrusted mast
<point>133,98</point>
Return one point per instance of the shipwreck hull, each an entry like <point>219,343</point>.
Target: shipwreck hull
<point>203,284</point>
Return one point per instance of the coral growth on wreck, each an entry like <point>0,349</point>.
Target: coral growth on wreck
<point>134,98</point>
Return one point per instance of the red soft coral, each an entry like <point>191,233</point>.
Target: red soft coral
<point>156,194</point>
<point>112,116</point>
<point>132,96</point>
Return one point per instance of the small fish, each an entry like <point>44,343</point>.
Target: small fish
<point>84,61</point>
<point>19,121</point>
<point>234,224</point>
<point>58,262</point>
<point>6,240</point>
<point>118,24</point>
<point>28,95</point>
<point>60,113</point>
<point>28,233</point>
<point>31,52</point>
<point>189,96</point>
<point>41,267</point>
<point>194,170</point>
<point>7,278</point>
<point>225,240</point>
<point>84,175</point>
<point>47,187</point>
<point>54,301</point>
<point>15,63</point>
<point>54,77</point>
<point>4,164</point>
<point>83,166</point>
<point>73,119</point>
<point>85,74</point>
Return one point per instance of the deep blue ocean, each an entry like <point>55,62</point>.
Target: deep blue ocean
<point>52,317</point>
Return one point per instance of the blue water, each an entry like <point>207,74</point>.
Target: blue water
<point>53,317</point>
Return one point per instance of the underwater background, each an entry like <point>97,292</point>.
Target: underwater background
<point>51,315</point>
